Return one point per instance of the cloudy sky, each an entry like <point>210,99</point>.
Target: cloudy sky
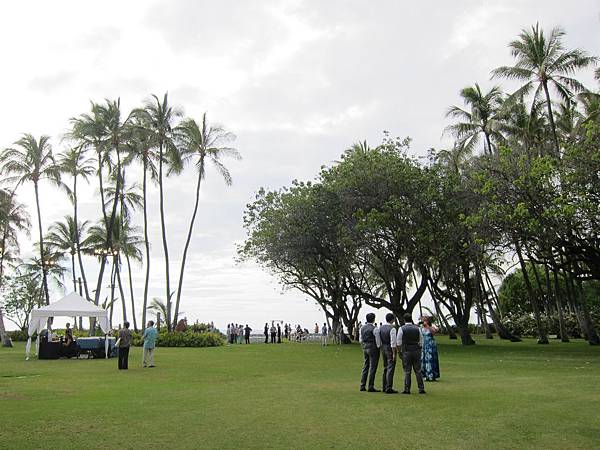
<point>296,81</point>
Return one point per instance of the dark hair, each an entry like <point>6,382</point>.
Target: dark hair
<point>126,324</point>
<point>370,317</point>
<point>151,322</point>
<point>408,318</point>
<point>389,317</point>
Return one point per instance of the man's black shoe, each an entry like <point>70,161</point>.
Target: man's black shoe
<point>391,391</point>
<point>374,390</point>
<point>422,392</point>
<point>406,392</point>
<point>362,389</point>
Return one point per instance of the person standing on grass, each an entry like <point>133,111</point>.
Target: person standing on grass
<point>316,328</point>
<point>430,364</point>
<point>266,333</point>
<point>125,339</point>
<point>278,334</point>
<point>273,333</point>
<point>247,331</point>
<point>370,342</point>
<point>410,342</point>
<point>324,335</point>
<point>149,336</point>
<point>387,336</point>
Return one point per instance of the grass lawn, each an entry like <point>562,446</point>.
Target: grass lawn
<point>492,395</point>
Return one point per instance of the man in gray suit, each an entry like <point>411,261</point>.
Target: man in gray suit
<point>410,341</point>
<point>369,339</point>
<point>387,335</point>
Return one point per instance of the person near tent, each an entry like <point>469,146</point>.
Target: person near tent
<point>124,342</point>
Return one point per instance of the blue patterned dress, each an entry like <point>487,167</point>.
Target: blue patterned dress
<point>430,364</point>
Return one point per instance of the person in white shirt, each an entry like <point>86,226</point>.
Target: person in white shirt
<point>370,342</point>
<point>409,341</point>
<point>387,344</point>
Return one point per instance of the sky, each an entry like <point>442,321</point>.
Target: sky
<point>297,82</point>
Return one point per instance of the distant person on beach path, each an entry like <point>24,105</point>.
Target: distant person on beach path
<point>149,336</point>
<point>247,331</point>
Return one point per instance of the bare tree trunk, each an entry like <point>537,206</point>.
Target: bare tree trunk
<point>189,238</point>
<point>564,337</point>
<point>146,242</point>
<point>164,236</point>
<point>42,262</point>
<point>542,337</point>
<point>135,327</point>
<point>6,342</point>
<point>117,265</point>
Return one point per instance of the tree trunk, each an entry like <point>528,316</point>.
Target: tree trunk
<point>542,337</point>
<point>42,262</point>
<point>564,337</point>
<point>135,327</point>
<point>73,270</point>
<point>463,331</point>
<point>77,241</point>
<point>442,317</point>
<point>146,241</point>
<point>117,265</point>
<point>6,342</point>
<point>590,329</point>
<point>164,237</point>
<point>551,119</point>
<point>189,238</point>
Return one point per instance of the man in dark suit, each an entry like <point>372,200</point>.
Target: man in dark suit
<point>266,333</point>
<point>387,335</point>
<point>410,342</point>
<point>369,340</point>
<point>247,331</point>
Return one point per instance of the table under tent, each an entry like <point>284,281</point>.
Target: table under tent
<point>73,305</point>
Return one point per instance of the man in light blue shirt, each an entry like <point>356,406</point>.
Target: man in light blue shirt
<point>150,334</point>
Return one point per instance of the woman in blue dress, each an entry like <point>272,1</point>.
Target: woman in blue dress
<point>430,364</point>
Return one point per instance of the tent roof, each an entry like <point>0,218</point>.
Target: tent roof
<point>71,305</point>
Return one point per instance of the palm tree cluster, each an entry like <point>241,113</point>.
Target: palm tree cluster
<point>108,147</point>
<point>519,187</point>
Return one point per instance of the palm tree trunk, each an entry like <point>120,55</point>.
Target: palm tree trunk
<point>117,264</point>
<point>39,214</point>
<point>4,340</point>
<point>146,242</point>
<point>551,119</point>
<point>559,306</point>
<point>189,238</point>
<point>135,327</point>
<point>164,236</point>
<point>78,239</point>
<point>73,270</point>
<point>542,337</point>
<point>489,143</point>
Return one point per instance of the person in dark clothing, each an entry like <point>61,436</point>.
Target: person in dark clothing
<point>278,334</point>
<point>387,336</point>
<point>125,338</point>
<point>247,331</point>
<point>273,333</point>
<point>410,341</point>
<point>370,342</point>
<point>266,333</point>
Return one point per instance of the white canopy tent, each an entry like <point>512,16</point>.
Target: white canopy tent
<point>73,305</point>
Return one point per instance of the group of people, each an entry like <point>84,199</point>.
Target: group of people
<point>125,340</point>
<point>236,333</point>
<point>415,345</point>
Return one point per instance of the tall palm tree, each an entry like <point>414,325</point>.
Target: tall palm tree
<point>141,149</point>
<point>482,117</point>
<point>75,163</point>
<point>544,61</point>
<point>201,143</point>
<point>62,239</point>
<point>159,119</point>
<point>31,160</point>
<point>14,219</point>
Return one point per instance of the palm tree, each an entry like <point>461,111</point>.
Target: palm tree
<point>62,239</point>
<point>158,306</point>
<point>32,160</point>
<point>483,117</point>
<point>544,61</point>
<point>141,149</point>
<point>201,143</point>
<point>75,163</point>
<point>158,118</point>
<point>14,219</point>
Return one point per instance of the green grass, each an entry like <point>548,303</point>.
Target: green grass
<point>493,395</point>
